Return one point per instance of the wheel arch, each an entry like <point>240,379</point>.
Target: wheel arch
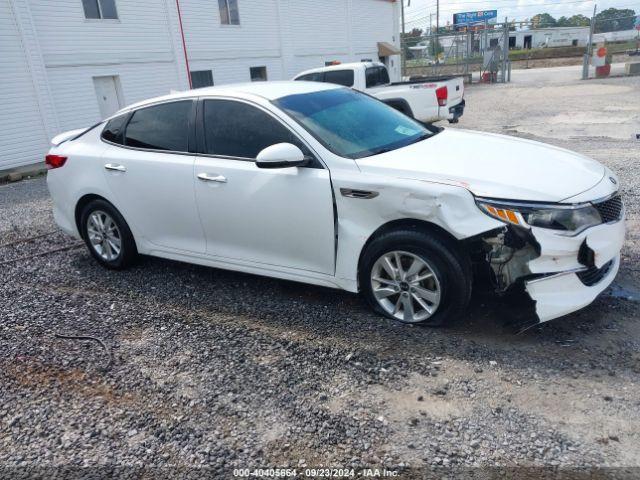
<point>400,104</point>
<point>88,198</point>
<point>414,224</point>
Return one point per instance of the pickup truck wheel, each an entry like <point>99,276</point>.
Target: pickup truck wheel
<point>415,277</point>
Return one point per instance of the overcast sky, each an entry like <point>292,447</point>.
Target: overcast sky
<point>417,14</point>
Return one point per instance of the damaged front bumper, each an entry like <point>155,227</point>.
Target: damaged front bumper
<point>560,273</point>
<point>563,293</point>
<point>576,269</point>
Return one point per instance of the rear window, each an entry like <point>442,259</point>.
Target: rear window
<point>376,76</point>
<point>160,127</point>
<point>341,77</point>
<point>114,128</point>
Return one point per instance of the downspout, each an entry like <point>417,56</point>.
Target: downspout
<point>184,44</point>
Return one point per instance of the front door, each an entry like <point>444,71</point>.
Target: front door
<point>151,176</point>
<point>276,217</point>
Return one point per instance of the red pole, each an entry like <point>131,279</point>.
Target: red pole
<point>184,44</point>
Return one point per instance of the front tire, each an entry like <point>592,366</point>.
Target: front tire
<point>415,276</point>
<point>107,235</point>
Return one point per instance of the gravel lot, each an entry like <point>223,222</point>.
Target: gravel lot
<point>226,370</point>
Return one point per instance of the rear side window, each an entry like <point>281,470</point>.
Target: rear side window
<point>376,76</point>
<point>236,129</point>
<point>341,77</point>
<point>114,129</point>
<point>161,127</point>
<point>311,77</point>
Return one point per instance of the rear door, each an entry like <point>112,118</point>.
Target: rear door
<point>149,169</point>
<point>277,217</point>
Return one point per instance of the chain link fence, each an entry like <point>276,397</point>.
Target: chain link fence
<point>481,51</point>
<point>489,52</point>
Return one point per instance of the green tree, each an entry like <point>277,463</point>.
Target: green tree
<point>436,47</point>
<point>410,39</point>
<point>574,21</point>
<point>579,21</point>
<point>614,19</point>
<point>543,20</point>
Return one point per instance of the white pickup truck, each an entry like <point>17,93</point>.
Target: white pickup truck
<point>428,100</point>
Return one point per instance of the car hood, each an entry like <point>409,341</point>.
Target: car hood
<point>491,165</point>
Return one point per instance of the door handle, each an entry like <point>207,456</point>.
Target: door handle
<point>115,167</point>
<point>206,177</point>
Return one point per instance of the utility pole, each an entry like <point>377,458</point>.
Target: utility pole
<point>431,40</point>
<point>437,16</point>
<point>403,39</point>
<point>505,50</point>
<point>587,56</point>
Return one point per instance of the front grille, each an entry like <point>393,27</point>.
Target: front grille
<point>610,210</point>
<point>594,275</point>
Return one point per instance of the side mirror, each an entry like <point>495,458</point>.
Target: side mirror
<point>281,155</point>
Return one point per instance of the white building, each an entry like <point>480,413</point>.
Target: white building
<point>66,64</point>
<point>549,37</point>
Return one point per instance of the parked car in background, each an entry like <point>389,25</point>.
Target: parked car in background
<point>322,184</point>
<point>427,100</point>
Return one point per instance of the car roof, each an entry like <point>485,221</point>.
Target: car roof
<point>266,90</point>
<point>342,66</point>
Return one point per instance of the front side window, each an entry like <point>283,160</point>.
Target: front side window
<point>160,127</point>
<point>114,129</point>
<point>201,78</point>
<point>376,76</point>
<point>310,77</point>
<point>236,129</point>
<point>229,13</point>
<point>352,124</point>
<point>100,9</point>
<point>340,77</point>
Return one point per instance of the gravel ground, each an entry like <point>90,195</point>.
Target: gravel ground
<point>224,370</point>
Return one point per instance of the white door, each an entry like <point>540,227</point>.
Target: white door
<point>151,177</point>
<point>107,94</point>
<point>279,217</point>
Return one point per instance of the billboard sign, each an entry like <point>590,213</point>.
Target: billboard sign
<point>471,19</point>
<point>637,23</point>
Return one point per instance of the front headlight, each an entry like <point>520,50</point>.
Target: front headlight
<point>568,218</point>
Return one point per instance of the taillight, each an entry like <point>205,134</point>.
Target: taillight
<point>54,161</point>
<point>442,94</point>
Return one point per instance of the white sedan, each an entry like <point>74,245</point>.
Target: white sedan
<point>321,184</point>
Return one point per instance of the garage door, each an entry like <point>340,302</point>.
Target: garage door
<point>22,137</point>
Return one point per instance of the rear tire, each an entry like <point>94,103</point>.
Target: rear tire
<point>107,235</point>
<point>446,275</point>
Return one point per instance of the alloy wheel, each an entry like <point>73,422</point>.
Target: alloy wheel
<point>405,286</point>
<point>104,235</point>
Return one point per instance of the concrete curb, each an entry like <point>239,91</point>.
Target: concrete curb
<point>20,173</point>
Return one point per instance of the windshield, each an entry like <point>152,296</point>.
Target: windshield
<point>352,124</point>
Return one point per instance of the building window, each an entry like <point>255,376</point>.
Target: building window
<point>201,78</point>
<point>258,74</point>
<point>100,9</point>
<point>229,13</point>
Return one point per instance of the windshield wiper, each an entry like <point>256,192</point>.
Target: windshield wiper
<point>424,136</point>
